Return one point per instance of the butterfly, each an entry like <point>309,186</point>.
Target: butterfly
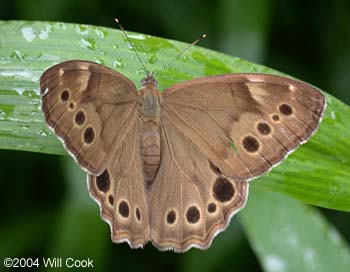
<point>173,167</point>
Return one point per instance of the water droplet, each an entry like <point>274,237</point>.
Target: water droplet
<point>333,115</point>
<point>100,33</point>
<point>88,43</point>
<point>100,61</point>
<point>61,25</point>
<point>117,64</point>
<point>49,57</point>
<point>19,90</point>
<point>18,55</point>
<point>44,34</point>
<point>26,75</point>
<point>43,133</point>
<point>137,36</point>
<point>274,263</point>
<point>28,34</point>
<point>153,59</point>
<point>82,30</point>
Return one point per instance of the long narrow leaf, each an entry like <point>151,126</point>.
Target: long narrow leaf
<point>290,236</point>
<point>318,173</point>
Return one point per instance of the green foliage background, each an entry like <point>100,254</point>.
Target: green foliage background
<point>45,210</point>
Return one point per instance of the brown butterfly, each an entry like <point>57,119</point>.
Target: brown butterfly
<point>173,167</point>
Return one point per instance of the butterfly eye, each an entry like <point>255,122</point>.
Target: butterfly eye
<point>149,80</point>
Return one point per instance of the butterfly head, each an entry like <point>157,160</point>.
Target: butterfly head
<point>149,81</point>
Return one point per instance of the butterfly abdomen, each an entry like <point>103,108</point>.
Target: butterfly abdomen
<point>150,149</point>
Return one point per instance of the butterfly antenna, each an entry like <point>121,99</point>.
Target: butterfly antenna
<point>201,37</point>
<point>131,45</point>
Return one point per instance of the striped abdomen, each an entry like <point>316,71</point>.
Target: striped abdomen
<point>150,150</point>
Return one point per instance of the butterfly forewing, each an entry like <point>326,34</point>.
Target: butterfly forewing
<point>244,123</point>
<point>88,105</point>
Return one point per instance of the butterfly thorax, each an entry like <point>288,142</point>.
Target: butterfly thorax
<point>149,104</point>
<point>149,116</point>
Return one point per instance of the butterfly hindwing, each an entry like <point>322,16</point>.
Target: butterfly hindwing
<point>121,193</point>
<point>190,200</point>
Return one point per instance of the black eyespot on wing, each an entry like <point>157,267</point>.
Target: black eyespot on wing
<point>250,144</point>
<point>103,181</point>
<point>138,214</point>
<point>65,95</point>
<point>264,128</point>
<point>211,208</point>
<point>193,215</point>
<point>285,109</point>
<point>223,190</point>
<point>80,118</point>
<point>111,200</point>
<point>89,135</point>
<point>171,217</point>
<point>124,209</point>
<point>275,117</point>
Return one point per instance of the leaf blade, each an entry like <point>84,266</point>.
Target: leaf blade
<point>28,48</point>
<point>295,238</point>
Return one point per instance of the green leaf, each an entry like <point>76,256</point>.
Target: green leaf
<point>289,236</point>
<point>318,173</point>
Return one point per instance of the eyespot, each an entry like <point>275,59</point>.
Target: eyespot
<point>211,208</point>
<point>223,190</point>
<point>103,182</point>
<point>123,209</point>
<point>285,109</point>
<point>171,217</point>
<point>264,128</point>
<point>65,95</point>
<point>80,118</point>
<point>138,214</point>
<point>111,199</point>
<point>89,135</point>
<point>250,144</point>
<point>275,117</point>
<point>193,215</point>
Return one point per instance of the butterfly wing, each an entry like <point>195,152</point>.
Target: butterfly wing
<point>87,106</point>
<point>190,200</point>
<point>244,123</point>
<point>120,192</point>
<point>93,109</point>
